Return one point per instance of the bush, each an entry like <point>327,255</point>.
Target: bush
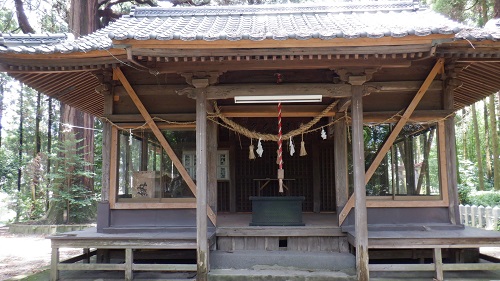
<point>484,198</point>
<point>464,192</point>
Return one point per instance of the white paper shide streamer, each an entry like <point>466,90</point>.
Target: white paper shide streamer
<point>292,147</point>
<point>259,150</point>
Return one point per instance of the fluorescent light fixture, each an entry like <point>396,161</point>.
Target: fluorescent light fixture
<point>276,99</point>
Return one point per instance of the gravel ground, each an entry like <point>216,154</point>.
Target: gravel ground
<point>23,255</point>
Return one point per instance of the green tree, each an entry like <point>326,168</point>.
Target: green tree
<point>72,201</point>
<point>478,148</point>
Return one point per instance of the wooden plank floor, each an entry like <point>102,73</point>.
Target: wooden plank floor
<point>429,237</point>
<point>237,224</point>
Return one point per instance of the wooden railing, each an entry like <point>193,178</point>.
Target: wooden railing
<point>480,217</point>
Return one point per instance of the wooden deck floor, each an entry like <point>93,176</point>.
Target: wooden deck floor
<point>430,237</point>
<point>237,224</point>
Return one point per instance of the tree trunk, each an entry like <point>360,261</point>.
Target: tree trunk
<point>494,142</point>
<point>22,19</point>
<point>496,9</point>
<point>83,20</point>
<point>1,108</point>
<point>38,118</point>
<point>20,150</point>
<point>49,151</point>
<point>479,158</point>
<point>487,141</point>
<point>424,169</point>
<point>464,135</point>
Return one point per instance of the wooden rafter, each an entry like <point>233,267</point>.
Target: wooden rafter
<point>118,75</point>
<point>438,68</point>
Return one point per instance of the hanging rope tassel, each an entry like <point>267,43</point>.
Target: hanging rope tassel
<point>251,154</point>
<point>303,151</point>
<point>281,172</point>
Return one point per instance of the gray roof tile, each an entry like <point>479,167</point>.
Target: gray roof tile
<point>348,20</point>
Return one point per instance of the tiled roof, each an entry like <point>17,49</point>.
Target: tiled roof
<point>349,20</point>
<point>54,43</point>
<point>339,20</point>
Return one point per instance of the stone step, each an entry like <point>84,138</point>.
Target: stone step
<point>259,260</point>
<point>279,274</point>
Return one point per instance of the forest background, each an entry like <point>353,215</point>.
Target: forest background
<point>50,153</point>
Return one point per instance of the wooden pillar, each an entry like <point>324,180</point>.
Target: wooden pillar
<point>358,156</point>
<point>103,207</point>
<point>54,263</point>
<point>212,164</point>
<point>450,147</point>
<point>201,184</point>
<point>106,146</point>
<point>438,264</point>
<point>129,261</point>
<point>340,158</point>
<point>106,158</point>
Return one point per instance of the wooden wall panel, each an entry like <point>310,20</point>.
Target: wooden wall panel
<point>304,244</point>
<point>296,167</point>
<point>155,104</point>
<point>327,176</point>
<point>223,194</point>
<point>397,101</point>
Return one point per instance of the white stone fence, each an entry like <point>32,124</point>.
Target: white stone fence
<point>481,217</point>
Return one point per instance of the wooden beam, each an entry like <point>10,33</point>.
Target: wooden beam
<point>324,52</point>
<point>257,64</point>
<point>394,116</point>
<point>270,110</point>
<point>344,104</point>
<point>289,43</point>
<point>438,68</point>
<point>137,118</point>
<point>230,91</point>
<point>358,159</point>
<point>202,186</point>
<point>400,86</point>
<point>118,75</point>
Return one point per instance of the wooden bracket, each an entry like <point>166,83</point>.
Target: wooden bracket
<point>356,76</point>
<point>118,75</point>
<point>212,77</point>
<point>437,69</point>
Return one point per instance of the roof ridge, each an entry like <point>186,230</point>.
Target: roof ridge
<point>336,7</point>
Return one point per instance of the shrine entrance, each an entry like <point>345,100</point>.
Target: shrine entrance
<point>308,164</point>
